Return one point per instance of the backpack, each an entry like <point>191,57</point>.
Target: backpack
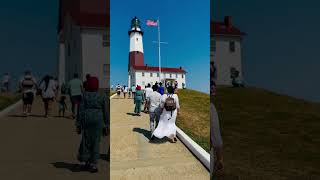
<point>170,104</point>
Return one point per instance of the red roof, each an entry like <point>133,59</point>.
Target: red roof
<point>87,13</point>
<point>163,69</point>
<point>224,28</point>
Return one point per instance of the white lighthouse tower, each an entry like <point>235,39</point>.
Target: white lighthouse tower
<point>136,58</point>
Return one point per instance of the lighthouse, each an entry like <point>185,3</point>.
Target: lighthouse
<point>136,47</point>
<point>142,74</point>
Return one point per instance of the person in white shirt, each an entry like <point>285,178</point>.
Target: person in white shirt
<point>5,82</point>
<point>118,89</point>
<point>48,88</point>
<point>148,90</point>
<point>125,91</point>
<point>154,99</point>
<point>167,122</point>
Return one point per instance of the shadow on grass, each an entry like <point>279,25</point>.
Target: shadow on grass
<point>147,134</point>
<point>70,166</point>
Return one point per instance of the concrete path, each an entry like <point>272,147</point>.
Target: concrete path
<point>133,157</point>
<point>35,148</point>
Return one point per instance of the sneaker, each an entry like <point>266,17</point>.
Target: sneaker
<point>93,168</point>
<point>84,166</point>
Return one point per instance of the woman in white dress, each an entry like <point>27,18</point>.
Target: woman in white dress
<point>167,123</point>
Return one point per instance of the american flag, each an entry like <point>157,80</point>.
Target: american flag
<point>152,22</point>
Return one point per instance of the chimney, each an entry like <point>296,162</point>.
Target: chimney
<point>228,21</point>
<point>180,67</point>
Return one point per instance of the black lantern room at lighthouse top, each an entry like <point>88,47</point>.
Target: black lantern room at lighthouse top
<point>135,26</point>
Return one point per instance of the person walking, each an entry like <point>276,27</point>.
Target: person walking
<point>215,134</point>
<point>138,100</point>
<point>118,89</point>
<point>154,100</point>
<point>161,89</point>
<point>75,89</point>
<point>6,82</point>
<point>129,92</point>
<point>170,109</point>
<point>27,86</point>
<point>85,83</point>
<point>48,89</point>
<point>90,123</point>
<point>125,91</point>
<point>148,90</point>
<point>133,89</point>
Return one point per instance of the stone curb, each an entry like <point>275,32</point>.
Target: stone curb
<point>10,108</point>
<point>202,155</point>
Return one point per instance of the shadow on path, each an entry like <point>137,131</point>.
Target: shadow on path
<point>105,157</point>
<point>132,114</point>
<point>147,134</point>
<point>70,166</point>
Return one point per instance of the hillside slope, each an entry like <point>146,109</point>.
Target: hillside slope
<point>194,118</point>
<point>268,135</point>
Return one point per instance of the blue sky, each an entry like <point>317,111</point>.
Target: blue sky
<point>184,25</point>
<point>281,50</point>
<point>28,36</point>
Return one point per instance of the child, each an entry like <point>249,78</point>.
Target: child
<point>62,105</point>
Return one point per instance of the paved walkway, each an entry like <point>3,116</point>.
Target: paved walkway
<point>35,148</point>
<point>133,157</point>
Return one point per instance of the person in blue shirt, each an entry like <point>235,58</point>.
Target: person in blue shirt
<point>161,89</point>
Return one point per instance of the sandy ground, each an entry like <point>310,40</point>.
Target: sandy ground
<point>43,148</point>
<point>134,157</point>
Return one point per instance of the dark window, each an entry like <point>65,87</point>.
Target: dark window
<point>142,73</point>
<point>158,75</point>
<point>69,51</point>
<point>151,74</point>
<point>176,75</point>
<point>182,76</point>
<point>170,75</point>
<point>105,69</point>
<point>232,47</point>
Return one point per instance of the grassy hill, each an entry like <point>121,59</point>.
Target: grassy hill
<point>194,117</point>
<point>7,99</point>
<point>267,135</point>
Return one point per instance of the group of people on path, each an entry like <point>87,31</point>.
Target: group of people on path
<point>89,109</point>
<point>163,108</point>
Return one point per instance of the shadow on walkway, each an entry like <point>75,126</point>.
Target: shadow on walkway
<point>105,157</point>
<point>132,114</point>
<point>147,134</point>
<point>70,166</point>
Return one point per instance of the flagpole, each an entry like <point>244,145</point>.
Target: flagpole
<point>159,50</point>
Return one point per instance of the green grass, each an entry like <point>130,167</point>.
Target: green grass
<point>268,135</point>
<point>8,99</point>
<point>194,118</point>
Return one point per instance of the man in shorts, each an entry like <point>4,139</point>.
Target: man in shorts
<point>27,85</point>
<point>75,88</point>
